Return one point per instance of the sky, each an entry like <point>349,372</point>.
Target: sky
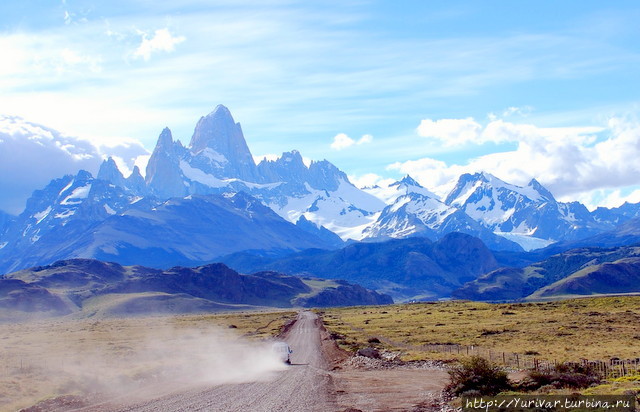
<point>530,89</point>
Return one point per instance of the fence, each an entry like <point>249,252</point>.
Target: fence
<point>614,368</point>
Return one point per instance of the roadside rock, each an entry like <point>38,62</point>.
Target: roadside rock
<point>369,353</point>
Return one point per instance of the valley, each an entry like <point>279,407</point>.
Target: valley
<point>131,357</point>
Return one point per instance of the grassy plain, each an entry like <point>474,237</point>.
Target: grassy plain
<point>49,358</point>
<point>570,330</point>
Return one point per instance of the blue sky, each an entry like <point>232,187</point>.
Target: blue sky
<point>531,89</point>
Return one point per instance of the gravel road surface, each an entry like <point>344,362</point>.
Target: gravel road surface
<point>303,386</point>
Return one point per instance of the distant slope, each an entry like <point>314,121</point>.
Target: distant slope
<point>182,231</point>
<point>625,234</point>
<point>91,286</point>
<point>412,268</point>
<point>620,276</point>
<point>583,271</point>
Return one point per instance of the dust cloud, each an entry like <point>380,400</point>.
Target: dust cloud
<point>113,364</point>
<point>180,358</point>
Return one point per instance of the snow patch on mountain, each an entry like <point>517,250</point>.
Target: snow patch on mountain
<point>109,211</point>
<point>431,212</point>
<point>527,242</point>
<point>77,195</point>
<point>215,157</point>
<point>197,175</point>
<point>41,215</point>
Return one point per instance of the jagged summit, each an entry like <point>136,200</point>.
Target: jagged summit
<point>535,185</point>
<point>211,128</point>
<point>109,171</point>
<point>164,177</point>
<point>165,140</point>
<point>406,181</point>
<point>219,141</point>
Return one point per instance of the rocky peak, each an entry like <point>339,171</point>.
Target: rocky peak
<point>535,185</point>
<point>165,141</point>
<point>465,182</point>
<point>324,175</point>
<point>226,146</point>
<point>289,167</point>
<point>406,181</point>
<point>212,127</point>
<point>164,176</point>
<point>109,171</point>
<point>136,182</point>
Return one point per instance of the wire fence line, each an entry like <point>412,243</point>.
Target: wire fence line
<point>613,368</point>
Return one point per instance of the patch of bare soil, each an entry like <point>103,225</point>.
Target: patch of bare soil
<point>378,385</point>
<point>366,384</point>
<point>60,403</point>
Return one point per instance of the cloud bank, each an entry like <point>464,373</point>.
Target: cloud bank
<point>31,155</point>
<point>585,163</point>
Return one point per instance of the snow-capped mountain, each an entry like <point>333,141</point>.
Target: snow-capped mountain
<point>57,216</point>
<point>497,212</point>
<point>219,161</point>
<point>521,213</point>
<point>280,204</point>
<point>389,193</point>
<point>420,213</point>
<point>196,203</point>
<point>80,216</point>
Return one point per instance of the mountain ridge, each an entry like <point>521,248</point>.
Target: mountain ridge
<point>317,199</point>
<point>82,286</point>
<point>407,269</point>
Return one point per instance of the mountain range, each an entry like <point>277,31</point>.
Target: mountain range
<point>87,287</point>
<point>414,268</point>
<point>199,203</point>
<point>577,272</point>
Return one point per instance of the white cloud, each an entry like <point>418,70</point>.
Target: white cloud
<point>570,162</point>
<point>162,40</point>
<point>370,180</point>
<point>367,138</point>
<point>342,141</point>
<point>142,161</point>
<point>32,155</point>
<point>606,197</point>
<point>458,132</point>
<point>451,132</point>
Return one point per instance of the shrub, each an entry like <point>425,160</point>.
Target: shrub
<point>477,376</point>
<point>562,375</point>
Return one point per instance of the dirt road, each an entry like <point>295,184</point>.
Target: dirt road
<point>303,386</point>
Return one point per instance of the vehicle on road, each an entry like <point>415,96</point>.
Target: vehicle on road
<point>283,350</point>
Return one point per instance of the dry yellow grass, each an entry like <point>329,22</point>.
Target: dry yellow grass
<point>48,358</point>
<point>591,328</point>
